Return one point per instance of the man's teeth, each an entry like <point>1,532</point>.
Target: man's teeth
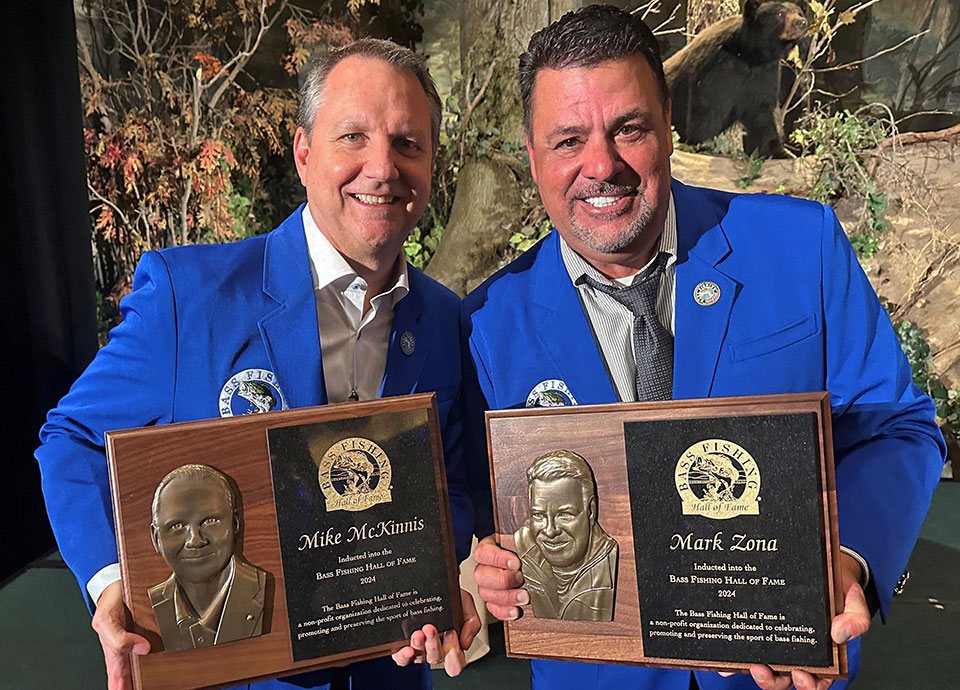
<point>602,201</point>
<point>371,199</point>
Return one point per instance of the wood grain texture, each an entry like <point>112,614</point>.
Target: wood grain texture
<point>516,437</point>
<point>237,446</point>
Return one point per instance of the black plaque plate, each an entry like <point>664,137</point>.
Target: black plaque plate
<point>362,539</point>
<point>731,564</point>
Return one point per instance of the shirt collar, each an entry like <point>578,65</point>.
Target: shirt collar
<point>184,611</point>
<point>330,269</point>
<point>578,268</point>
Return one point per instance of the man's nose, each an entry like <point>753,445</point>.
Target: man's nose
<point>195,538</point>
<point>601,159</point>
<point>551,530</point>
<point>381,163</point>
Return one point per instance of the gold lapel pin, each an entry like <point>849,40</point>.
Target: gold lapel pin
<point>706,293</point>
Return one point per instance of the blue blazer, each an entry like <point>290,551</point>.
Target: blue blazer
<point>795,313</point>
<point>198,315</point>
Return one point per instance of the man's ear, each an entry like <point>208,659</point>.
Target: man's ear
<point>236,525</point>
<point>750,8</point>
<point>592,508</point>
<point>155,537</point>
<point>301,152</point>
<point>533,164</point>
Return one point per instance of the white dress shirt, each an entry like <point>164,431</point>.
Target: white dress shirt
<point>353,345</point>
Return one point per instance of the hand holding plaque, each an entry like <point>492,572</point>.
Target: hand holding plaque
<point>720,512</point>
<point>264,545</point>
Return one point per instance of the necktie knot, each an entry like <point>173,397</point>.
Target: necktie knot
<point>641,296</point>
<point>652,343</point>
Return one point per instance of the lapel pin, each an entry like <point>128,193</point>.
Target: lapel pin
<point>706,293</point>
<point>407,343</point>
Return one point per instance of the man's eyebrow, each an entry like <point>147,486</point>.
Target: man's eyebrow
<point>637,114</point>
<point>351,124</point>
<point>564,132</point>
<point>409,132</point>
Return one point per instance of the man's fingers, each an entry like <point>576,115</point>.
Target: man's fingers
<point>404,656</point>
<point>489,577</point>
<point>454,659</point>
<point>766,679</point>
<point>489,554</point>
<point>471,620</point>
<point>503,613</point>
<point>504,597</point>
<point>855,619</point>
<point>434,645</point>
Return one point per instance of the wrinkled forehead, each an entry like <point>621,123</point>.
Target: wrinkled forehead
<point>184,494</point>
<point>369,89</point>
<point>578,95</point>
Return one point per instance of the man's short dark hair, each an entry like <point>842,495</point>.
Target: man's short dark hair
<point>400,58</point>
<point>586,38</point>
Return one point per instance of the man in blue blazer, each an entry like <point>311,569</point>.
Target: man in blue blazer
<point>757,294</point>
<point>322,309</point>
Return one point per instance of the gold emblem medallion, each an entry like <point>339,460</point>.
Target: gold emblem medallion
<point>706,293</point>
<point>718,479</point>
<point>355,474</point>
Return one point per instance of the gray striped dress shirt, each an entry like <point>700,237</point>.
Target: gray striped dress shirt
<point>611,321</point>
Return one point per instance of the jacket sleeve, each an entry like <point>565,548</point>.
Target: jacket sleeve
<point>888,448</point>
<point>130,383</point>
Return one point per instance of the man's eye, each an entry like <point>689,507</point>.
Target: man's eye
<point>352,137</point>
<point>536,516</point>
<point>211,521</point>
<point>176,526</point>
<point>568,143</point>
<point>409,145</point>
<point>629,131</point>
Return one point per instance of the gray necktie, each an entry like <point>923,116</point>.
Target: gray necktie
<point>652,343</point>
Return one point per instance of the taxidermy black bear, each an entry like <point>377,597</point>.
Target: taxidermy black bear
<point>730,73</point>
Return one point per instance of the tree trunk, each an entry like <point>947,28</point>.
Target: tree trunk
<point>703,13</point>
<point>486,207</point>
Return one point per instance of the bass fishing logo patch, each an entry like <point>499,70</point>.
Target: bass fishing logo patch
<point>251,391</point>
<point>550,393</point>
<point>355,474</point>
<point>718,480</point>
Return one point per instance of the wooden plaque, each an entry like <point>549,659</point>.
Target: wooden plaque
<point>723,514</point>
<point>371,472</point>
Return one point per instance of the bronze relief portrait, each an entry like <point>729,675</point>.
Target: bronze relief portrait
<point>568,561</point>
<point>212,596</point>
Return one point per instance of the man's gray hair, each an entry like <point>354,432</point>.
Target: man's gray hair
<point>563,464</point>
<point>195,472</point>
<point>403,59</point>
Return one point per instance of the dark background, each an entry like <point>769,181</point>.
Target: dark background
<point>46,283</point>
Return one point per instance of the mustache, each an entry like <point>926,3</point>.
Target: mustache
<point>606,189</point>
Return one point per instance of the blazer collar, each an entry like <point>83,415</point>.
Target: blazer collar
<point>564,331</point>
<point>700,328</point>
<point>410,340</point>
<point>289,332</point>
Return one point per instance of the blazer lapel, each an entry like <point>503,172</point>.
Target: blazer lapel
<point>564,332</point>
<point>289,332</point>
<point>403,370</point>
<point>700,328</point>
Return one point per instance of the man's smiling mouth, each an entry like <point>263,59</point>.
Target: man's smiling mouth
<point>374,199</point>
<point>602,201</point>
